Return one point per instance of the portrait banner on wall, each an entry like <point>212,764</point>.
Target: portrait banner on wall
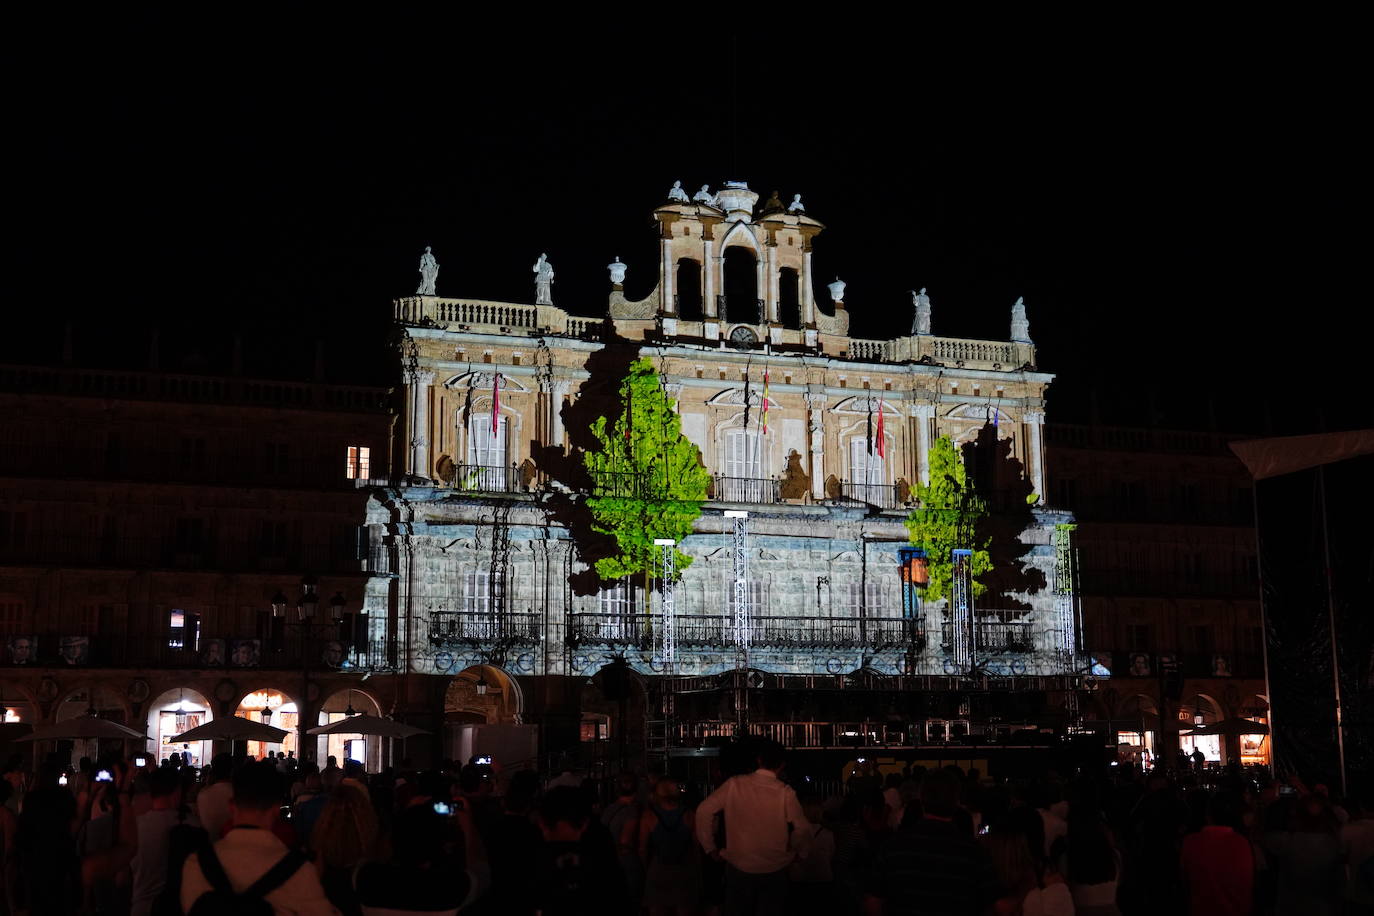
<point>23,650</point>
<point>333,654</point>
<point>1140,664</point>
<point>212,653</point>
<point>75,650</point>
<point>245,653</point>
<point>1221,666</point>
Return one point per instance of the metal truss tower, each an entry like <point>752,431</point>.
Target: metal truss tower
<point>742,629</point>
<point>961,609</point>
<point>1065,599</point>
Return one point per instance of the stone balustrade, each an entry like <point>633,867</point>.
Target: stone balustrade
<point>503,317</point>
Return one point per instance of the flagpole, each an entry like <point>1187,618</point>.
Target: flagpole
<point>1331,617</point>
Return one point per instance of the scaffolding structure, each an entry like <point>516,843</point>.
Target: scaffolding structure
<point>1065,599</point>
<point>961,608</point>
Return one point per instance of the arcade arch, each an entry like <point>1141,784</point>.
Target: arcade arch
<point>740,285</point>
<point>175,711</point>
<point>273,707</point>
<point>687,289</point>
<point>343,704</point>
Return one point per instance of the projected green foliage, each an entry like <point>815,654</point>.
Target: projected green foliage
<point>647,478</point>
<point>950,515</point>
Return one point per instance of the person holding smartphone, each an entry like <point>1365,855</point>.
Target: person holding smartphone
<point>426,872</point>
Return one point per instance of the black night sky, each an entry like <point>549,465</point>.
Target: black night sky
<point>1181,210</point>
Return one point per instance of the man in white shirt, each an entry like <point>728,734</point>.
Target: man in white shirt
<point>765,830</point>
<point>212,802</point>
<point>250,850</point>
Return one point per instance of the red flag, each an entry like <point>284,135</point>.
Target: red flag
<point>765,400</point>
<point>882,449</point>
<point>495,404</point>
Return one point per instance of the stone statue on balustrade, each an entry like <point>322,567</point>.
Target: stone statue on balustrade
<point>796,205</point>
<point>543,281</point>
<point>677,195</point>
<point>1020,324</point>
<point>429,273</point>
<point>920,324</point>
<point>704,196</point>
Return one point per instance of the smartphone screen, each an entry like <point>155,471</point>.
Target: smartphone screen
<point>442,808</point>
<point>104,776</point>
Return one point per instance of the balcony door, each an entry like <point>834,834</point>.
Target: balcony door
<point>867,473</point>
<point>744,465</point>
<point>488,454</point>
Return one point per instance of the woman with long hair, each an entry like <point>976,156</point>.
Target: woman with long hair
<point>344,838</point>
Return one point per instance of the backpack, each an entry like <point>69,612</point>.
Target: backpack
<point>670,841</point>
<point>221,900</point>
<point>183,841</point>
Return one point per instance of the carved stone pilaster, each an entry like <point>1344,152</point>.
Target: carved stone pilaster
<point>923,415</point>
<point>815,420</point>
<point>1034,421</point>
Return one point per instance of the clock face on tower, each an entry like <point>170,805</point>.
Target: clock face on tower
<point>743,336</point>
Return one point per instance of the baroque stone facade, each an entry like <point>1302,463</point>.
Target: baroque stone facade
<point>483,566</point>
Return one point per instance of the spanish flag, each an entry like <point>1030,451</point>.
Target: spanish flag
<point>765,400</point>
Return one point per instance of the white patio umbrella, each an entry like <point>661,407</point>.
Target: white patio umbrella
<point>82,727</point>
<point>368,725</point>
<point>233,728</point>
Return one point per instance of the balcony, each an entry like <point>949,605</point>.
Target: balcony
<point>759,490</point>
<point>453,627</point>
<point>782,632</point>
<point>994,636</point>
<point>323,650</point>
<point>484,478</point>
<point>878,495</point>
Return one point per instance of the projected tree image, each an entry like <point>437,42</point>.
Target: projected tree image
<point>647,478</point>
<point>950,515</point>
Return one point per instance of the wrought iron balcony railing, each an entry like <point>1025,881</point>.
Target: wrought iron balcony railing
<point>710,630</point>
<point>762,490</point>
<point>880,495</point>
<point>482,627</point>
<point>485,478</point>
<point>994,636</point>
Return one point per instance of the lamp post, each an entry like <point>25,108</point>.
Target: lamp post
<point>307,608</point>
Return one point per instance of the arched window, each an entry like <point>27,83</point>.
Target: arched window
<point>789,298</point>
<point>688,290</point>
<point>741,286</point>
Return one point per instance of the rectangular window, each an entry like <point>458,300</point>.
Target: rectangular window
<point>11,529</point>
<point>874,604</point>
<point>359,462</point>
<point>11,615</point>
<point>477,591</point>
<point>176,628</point>
<point>613,607</point>
<point>1139,637</point>
<point>1200,639</point>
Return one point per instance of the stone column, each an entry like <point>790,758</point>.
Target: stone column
<point>923,414</point>
<point>807,294</point>
<point>558,388</point>
<point>815,410</point>
<point>420,381</point>
<point>666,284</point>
<point>1034,425</point>
<point>710,269</point>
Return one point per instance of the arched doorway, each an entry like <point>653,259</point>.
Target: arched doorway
<point>614,706</point>
<point>175,711</point>
<point>106,703</point>
<point>1199,711</point>
<point>1137,729</point>
<point>740,282</point>
<point>366,749</point>
<point>1253,750</point>
<point>483,707</point>
<point>17,715</point>
<point>275,708</point>
<point>687,289</point>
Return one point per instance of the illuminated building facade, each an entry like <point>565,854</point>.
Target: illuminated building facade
<point>486,582</point>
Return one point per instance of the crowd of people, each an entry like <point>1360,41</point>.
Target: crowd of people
<point>245,836</point>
